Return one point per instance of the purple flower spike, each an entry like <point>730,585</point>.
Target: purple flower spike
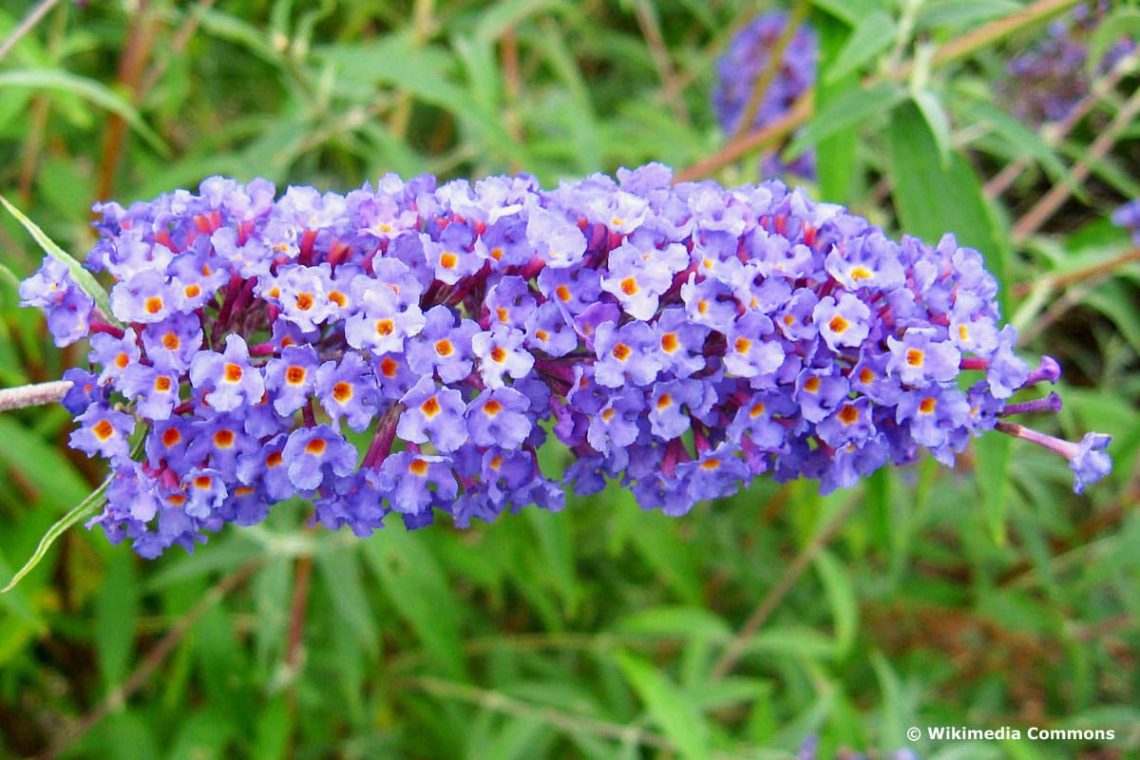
<point>679,339</point>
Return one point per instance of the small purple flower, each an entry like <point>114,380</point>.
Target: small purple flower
<point>498,418</point>
<point>920,357</point>
<point>626,354</point>
<point>348,389</point>
<point>105,432</point>
<point>315,455</point>
<point>174,342</point>
<point>500,352</point>
<point>1090,463</point>
<point>442,347</point>
<point>155,391</point>
<point>418,481</point>
<point>291,379</point>
<point>435,414</point>
<point>845,324</point>
<point>145,297</point>
<point>67,307</point>
<point>229,379</point>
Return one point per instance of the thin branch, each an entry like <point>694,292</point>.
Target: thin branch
<point>772,65</point>
<point>1091,272</point>
<point>1044,209</point>
<point>36,394</point>
<point>1052,134</point>
<point>760,615</point>
<point>118,696</point>
<point>34,17</point>
<point>658,52</point>
<point>750,142</point>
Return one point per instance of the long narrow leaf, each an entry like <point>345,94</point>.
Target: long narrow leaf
<point>89,90</point>
<point>80,511</point>
<point>83,278</point>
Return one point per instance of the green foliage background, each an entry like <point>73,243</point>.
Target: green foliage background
<point>984,596</point>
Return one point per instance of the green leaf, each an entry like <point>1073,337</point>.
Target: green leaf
<point>117,612</point>
<point>1122,23</point>
<point>83,278</point>
<point>932,199</point>
<point>668,706</point>
<point>836,156</point>
<point>851,11</point>
<point>935,115</point>
<point>993,481</point>
<point>88,89</point>
<point>960,13</point>
<point>81,510</point>
<point>418,589</point>
<point>871,36</point>
<point>8,276</point>
<point>340,571</point>
<point>848,110</point>
<point>840,593</point>
<point>1019,137</point>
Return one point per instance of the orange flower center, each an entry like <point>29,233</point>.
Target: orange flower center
<point>103,430</point>
<point>418,467</point>
<point>492,408</point>
<point>669,343</point>
<point>629,286</point>
<point>153,305</point>
<point>232,372</point>
<point>665,401</point>
<point>838,324</point>
<point>811,385</point>
<point>915,357</point>
<point>316,447</point>
<point>342,391</point>
<point>385,326</point>
<point>621,352</point>
<point>848,414</point>
<point>926,406</point>
<point>162,384</point>
<point>224,439</point>
<point>431,407</point>
<point>304,301</point>
<point>171,437</point>
<point>295,375</point>
<point>444,347</point>
<point>171,341</point>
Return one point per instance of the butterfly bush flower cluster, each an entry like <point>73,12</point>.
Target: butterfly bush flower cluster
<point>745,61</point>
<point>407,348</point>
<point>1046,81</point>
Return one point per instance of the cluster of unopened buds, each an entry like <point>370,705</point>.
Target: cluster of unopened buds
<point>409,347</point>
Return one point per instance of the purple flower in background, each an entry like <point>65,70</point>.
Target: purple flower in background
<point>679,339</point>
<point>1127,216</point>
<point>1046,81</point>
<point>747,58</point>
